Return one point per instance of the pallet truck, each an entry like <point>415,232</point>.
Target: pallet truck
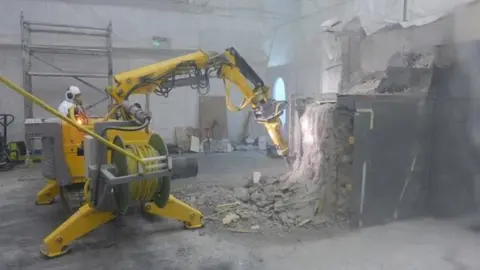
<point>5,162</point>
<point>13,153</point>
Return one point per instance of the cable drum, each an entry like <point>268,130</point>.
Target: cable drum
<point>143,190</point>
<point>153,189</point>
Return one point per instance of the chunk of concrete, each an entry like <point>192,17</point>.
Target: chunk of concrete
<point>241,194</point>
<point>257,176</point>
<point>230,218</point>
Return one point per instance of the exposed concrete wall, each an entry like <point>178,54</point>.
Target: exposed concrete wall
<point>377,49</point>
<point>133,27</point>
<point>460,26</point>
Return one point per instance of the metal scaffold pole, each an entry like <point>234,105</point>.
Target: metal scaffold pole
<point>34,51</point>
<point>31,51</point>
<point>26,65</point>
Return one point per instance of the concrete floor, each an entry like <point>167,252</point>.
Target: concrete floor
<point>135,243</point>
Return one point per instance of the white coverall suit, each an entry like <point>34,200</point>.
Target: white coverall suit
<point>69,101</point>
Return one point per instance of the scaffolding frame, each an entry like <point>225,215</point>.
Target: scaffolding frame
<point>29,52</point>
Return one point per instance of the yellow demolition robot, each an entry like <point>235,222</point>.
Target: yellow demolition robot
<point>115,160</point>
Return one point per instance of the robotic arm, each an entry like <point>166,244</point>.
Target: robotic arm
<point>195,70</point>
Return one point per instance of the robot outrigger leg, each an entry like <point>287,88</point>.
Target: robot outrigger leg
<point>85,220</point>
<point>176,209</point>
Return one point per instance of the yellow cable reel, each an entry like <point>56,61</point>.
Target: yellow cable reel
<point>147,190</point>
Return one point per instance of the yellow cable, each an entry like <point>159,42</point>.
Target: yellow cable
<point>86,191</point>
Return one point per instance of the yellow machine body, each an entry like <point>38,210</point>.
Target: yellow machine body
<point>73,138</point>
<point>72,143</point>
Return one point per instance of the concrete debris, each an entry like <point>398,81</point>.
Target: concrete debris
<point>263,203</point>
<point>269,190</point>
<point>247,182</point>
<point>303,222</point>
<point>247,147</point>
<point>194,144</point>
<point>230,218</point>
<point>200,200</point>
<point>412,60</point>
<point>242,194</point>
<point>244,214</point>
<point>252,144</point>
<point>262,143</point>
<point>259,208</point>
<point>257,176</point>
<point>406,73</point>
<point>286,202</point>
<point>255,227</point>
<point>217,146</point>
<point>183,137</point>
<point>249,140</point>
<point>227,205</point>
<point>257,196</point>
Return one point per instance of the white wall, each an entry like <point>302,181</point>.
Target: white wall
<point>246,25</point>
<point>299,46</point>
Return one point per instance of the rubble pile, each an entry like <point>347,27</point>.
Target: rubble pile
<point>406,73</point>
<point>306,197</point>
<point>216,146</point>
<point>262,203</point>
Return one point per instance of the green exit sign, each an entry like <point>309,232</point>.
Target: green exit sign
<point>161,42</point>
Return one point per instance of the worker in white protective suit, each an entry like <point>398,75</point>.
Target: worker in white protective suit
<point>73,99</point>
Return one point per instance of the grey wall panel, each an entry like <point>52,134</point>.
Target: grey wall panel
<point>391,158</point>
<point>456,134</point>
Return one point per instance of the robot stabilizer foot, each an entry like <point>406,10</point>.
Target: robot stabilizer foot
<point>85,220</point>
<point>176,209</point>
<point>48,193</point>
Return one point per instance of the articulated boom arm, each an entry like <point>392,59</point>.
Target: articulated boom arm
<point>195,70</point>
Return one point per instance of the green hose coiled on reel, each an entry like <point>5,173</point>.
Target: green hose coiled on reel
<point>143,190</point>
<point>146,190</point>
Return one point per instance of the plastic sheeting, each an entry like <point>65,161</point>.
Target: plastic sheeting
<point>135,27</point>
<point>376,14</point>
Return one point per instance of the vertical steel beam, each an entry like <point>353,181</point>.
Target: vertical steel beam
<point>110,60</point>
<point>26,66</point>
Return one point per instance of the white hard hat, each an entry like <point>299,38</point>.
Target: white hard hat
<point>72,91</point>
